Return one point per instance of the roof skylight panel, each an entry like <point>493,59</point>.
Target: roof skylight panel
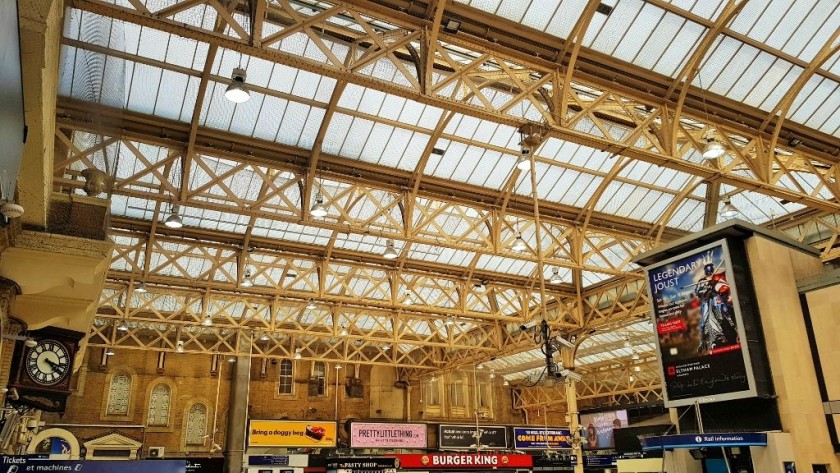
<point>688,216</point>
<point>821,95</point>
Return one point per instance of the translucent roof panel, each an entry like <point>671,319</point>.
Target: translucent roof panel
<point>374,142</point>
<point>555,17</point>
<point>505,265</point>
<point>556,184</point>
<point>437,254</point>
<point>768,21</point>
<point>472,165</point>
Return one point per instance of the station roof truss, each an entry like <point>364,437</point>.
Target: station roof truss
<point>406,120</point>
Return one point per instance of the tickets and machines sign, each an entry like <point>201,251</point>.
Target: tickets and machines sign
<point>701,338</point>
<point>466,461</point>
<point>19,464</point>
<point>550,438</point>
<point>288,433</point>
<point>384,435</point>
<point>463,436</point>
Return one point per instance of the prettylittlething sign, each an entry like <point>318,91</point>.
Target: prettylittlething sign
<point>383,435</point>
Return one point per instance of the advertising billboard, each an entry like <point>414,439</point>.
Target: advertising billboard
<point>463,436</point>
<point>465,461</point>
<point>384,435</point>
<point>538,438</point>
<point>700,332</point>
<point>291,433</point>
<point>599,427</point>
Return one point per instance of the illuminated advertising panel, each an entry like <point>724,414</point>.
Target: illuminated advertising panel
<point>384,435</point>
<point>291,433</point>
<point>599,428</point>
<point>700,332</point>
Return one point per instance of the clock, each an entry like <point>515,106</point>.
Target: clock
<point>48,362</point>
<point>41,375</point>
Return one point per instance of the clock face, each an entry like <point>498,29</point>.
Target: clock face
<point>48,363</point>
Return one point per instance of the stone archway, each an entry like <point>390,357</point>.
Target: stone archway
<point>50,433</point>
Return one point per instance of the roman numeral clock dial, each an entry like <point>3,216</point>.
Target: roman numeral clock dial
<point>48,362</point>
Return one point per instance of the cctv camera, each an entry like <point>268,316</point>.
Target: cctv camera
<point>565,343</point>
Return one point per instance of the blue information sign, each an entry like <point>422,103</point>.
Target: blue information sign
<point>551,438</point>
<point>668,442</point>
<point>268,460</point>
<point>21,464</point>
<point>597,461</point>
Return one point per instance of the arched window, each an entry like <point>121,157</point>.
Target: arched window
<point>319,374</point>
<point>433,391</point>
<point>457,397</point>
<point>287,384</point>
<point>159,401</point>
<point>119,395</point>
<point>485,395</point>
<point>196,424</point>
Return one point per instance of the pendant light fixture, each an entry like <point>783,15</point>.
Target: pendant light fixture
<point>449,321</point>
<point>390,252</point>
<point>247,281</point>
<point>728,210</point>
<point>236,91</point>
<point>122,327</point>
<point>343,332</point>
<point>713,149</point>
<point>297,354</point>
<point>555,276</point>
<point>109,352</point>
<point>311,305</point>
<point>140,288</point>
<point>524,161</point>
<point>173,220</point>
<point>518,245</point>
<point>208,321</point>
<point>179,347</point>
<point>264,337</point>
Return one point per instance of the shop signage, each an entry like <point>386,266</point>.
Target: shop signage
<point>701,337</point>
<point>289,433</point>
<point>20,464</point>
<point>456,461</point>
<point>550,438</point>
<point>205,465</point>
<point>273,460</point>
<point>382,435</point>
<point>599,461</point>
<point>464,436</point>
<point>362,463</point>
<point>705,440</point>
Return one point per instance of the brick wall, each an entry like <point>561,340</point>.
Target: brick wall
<point>190,379</point>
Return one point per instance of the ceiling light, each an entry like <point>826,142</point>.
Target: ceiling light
<point>236,91</point>
<point>728,210</point>
<point>311,305</point>
<point>452,26</point>
<point>632,378</point>
<point>637,369</point>
<point>713,149</point>
<point>505,383</point>
<point>231,359</point>
<point>109,352</point>
<point>343,332</point>
<point>555,276</point>
<point>518,244</point>
<point>180,346</point>
<point>208,321</point>
<point>449,321</point>
<point>408,299</point>
<point>386,347</point>
<point>122,327</point>
<point>318,208</point>
<point>297,354</point>
<point>264,337</point>
<point>492,374</point>
<point>173,220</point>
<point>635,356</point>
<point>480,366</point>
<point>338,366</point>
<point>626,343</point>
<point>140,288</point>
<point>390,251</point>
<point>524,161</point>
<point>30,343</point>
<point>246,281</point>
<point>433,378</point>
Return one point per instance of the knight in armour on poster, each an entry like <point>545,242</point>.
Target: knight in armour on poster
<point>713,295</point>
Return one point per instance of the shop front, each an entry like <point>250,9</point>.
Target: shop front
<point>362,465</point>
<point>460,462</point>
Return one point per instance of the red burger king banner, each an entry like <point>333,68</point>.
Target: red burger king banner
<point>431,461</point>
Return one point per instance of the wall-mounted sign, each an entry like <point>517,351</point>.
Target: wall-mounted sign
<point>274,460</point>
<point>21,464</point>
<point>362,463</point>
<point>465,461</point>
<point>701,339</point>
<point>550,438</point>
<point>464,436</point>
<point>291,433</point>
<point>749,439</point>
<point>383,435</point>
